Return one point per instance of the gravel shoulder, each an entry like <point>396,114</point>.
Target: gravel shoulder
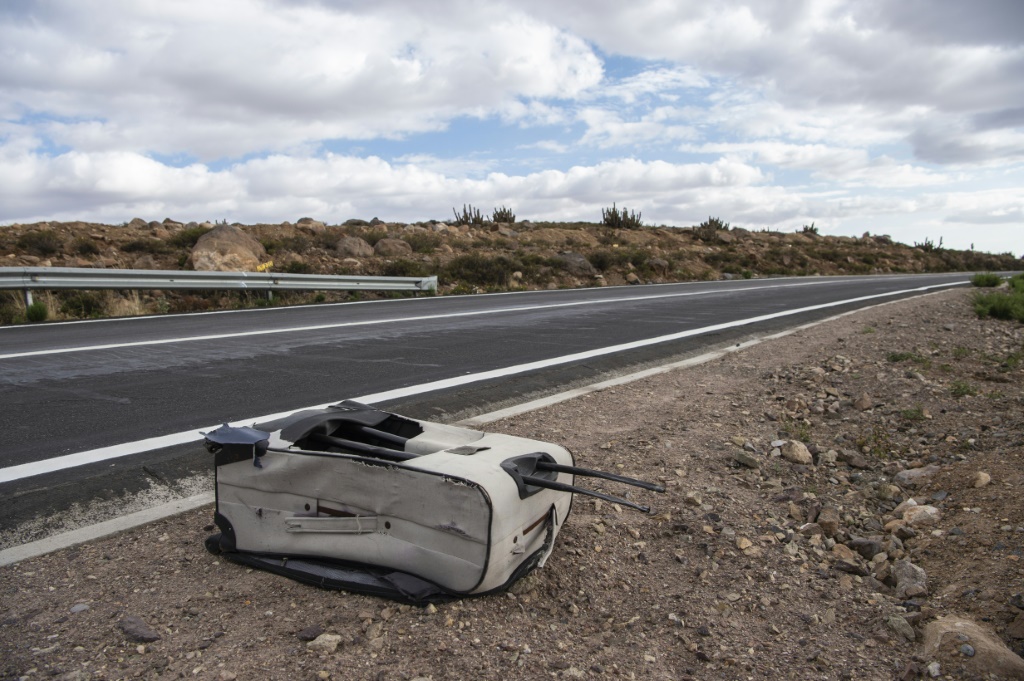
<point>834,497</point>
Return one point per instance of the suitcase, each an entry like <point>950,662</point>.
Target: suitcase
<point>351,497</point>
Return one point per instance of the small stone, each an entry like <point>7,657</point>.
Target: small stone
<point>797,452</point>
<point>829,521</point>
<point>922,515</point>
<point>137,630</point>
<point>309,633</point>
<point>868,548</point>
<point>904,532</point>
<point>844,552</point>
<point>324,643</point>
<point>225,675</point>
<point>967,650</point>
<point>934,670</point>
<point>828,458</point>
<point>911,580</point>
<point>747,459</point>
<point>851,567</point>
<point>743,543</point>
<point>915,476</point>
<point>79,607</point>
<point>901,627</point>
<point>854,459</point>
<point>981,479</point>
<point>863,403</point>
<point>693,499</point>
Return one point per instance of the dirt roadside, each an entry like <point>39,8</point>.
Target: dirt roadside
<point>763,560</point>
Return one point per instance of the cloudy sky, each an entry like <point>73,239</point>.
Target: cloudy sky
<point>901,117</point>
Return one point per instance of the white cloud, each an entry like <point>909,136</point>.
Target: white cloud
<point>238,77</point>
<point>608,128</point>
<point>992,207</point>
<point>660,82</point>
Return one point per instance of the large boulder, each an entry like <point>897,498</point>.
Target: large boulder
<point>311,225</point>
<point>353,247</point>
<point>576,265</point>
<point>391,248</point>
<point>226,248</point>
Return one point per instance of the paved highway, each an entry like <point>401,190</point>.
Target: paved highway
<point>90,386</point>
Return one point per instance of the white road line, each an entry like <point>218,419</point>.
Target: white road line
<point>34,468</point>
<point>421,318</point>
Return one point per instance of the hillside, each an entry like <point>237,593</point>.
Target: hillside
<point>485,256</point>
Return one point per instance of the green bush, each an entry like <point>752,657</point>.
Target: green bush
<point>406,268</point>
<point>986,280</point>
<point>9,312</point>
<point>962,389</point>
<point>41,242</point>
<point>187,237</point>
<point>83,304</point>
<point>422,242</point>
<point>37,312</point>
<point>604,260</point>
<point>1008,306</point>
<point>85,246</point>
<point>298,267</point>
<point>374,235</point>
<point>480,270</point>
<point>145,246</point>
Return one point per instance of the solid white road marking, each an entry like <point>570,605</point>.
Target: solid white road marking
<point>27,470</point>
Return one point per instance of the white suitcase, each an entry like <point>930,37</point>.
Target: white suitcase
<point>354,498</point>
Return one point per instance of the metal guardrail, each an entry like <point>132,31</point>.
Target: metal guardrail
<point>30,279</point>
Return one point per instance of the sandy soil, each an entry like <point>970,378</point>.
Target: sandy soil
<point>752,566</point>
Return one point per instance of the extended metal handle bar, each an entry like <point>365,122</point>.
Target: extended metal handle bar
<point>590,473</point>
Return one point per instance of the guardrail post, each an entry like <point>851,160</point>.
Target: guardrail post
<point>28,298</point>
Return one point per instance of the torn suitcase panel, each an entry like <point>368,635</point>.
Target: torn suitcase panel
<point>351,497</point>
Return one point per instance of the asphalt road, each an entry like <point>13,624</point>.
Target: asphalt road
<point>79,387</point>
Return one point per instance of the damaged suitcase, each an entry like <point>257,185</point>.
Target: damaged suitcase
<point>351,497</point>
